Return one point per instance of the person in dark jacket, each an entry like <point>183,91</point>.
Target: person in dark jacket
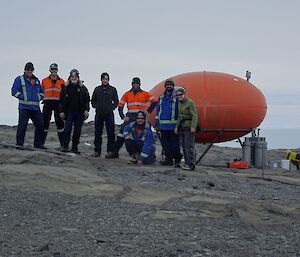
<point>140,141</point>
<point>105,101</point>
<point>28,90</point>
<point>74,108</point>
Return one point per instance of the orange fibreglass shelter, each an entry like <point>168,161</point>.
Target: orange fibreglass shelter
<point>228,106</point>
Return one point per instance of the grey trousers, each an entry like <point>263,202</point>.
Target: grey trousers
<point>187,141</point>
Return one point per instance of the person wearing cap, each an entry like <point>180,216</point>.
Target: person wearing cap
<point>136,100</point>
<point>140,141</point>
<point>52,87</point>
<point>165,121</point>
<point>186,127</point>
<point>28,90</point>
<point>74,108</point>
<point>105,101</point>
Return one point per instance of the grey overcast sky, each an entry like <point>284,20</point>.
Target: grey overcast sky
<point>154,40</point>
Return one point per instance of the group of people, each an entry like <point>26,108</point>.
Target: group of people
<point>175,120</point>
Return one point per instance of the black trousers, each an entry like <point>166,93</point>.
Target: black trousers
<point>133,147</point>
<point>37,120</point>
<point>109,121</point>
<point>171,145</point>
<point>75,118</point>
<point>49,107</point>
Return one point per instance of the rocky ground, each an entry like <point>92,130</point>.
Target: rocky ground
<point>60,205</point>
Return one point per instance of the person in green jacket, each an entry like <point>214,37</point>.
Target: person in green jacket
<point>186,127</point>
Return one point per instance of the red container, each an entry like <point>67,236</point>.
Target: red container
<point>238,165</point>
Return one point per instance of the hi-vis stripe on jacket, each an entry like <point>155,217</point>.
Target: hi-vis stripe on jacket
<point>145,138</point>
<point>29,95</point>
<point>166,111</point>
<point>136,102</point>
<point>52,89</point>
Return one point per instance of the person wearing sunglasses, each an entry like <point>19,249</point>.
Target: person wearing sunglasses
<point>140,141</point>
<point>186,127</point>
<point>165,121</point>
<point>28,90</point>
<point>52,87</point>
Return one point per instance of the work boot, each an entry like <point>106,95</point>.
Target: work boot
<point>65,147</point>
<point>41,147</point>
<point>112,155</point>
<point>134,159</point>
<point>74,149</point>
<point>96,154</point>
<point>187,167</point>
<point>177,165</point>
<point>166,162</point>
<point>178,158</point>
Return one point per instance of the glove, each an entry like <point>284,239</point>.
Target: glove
<point>85,115</point>
<point>62,115</point>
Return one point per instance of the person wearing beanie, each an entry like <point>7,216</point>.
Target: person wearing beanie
<point>140,141</point>
<point>28,90</point>
<point>74,108</point>
<point>105,101</point>
<point>165,122</point>
<point>186,127</point>
<point>52,85</point>
<point>136,100</point>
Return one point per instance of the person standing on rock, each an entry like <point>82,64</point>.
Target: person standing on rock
<point>136,100</point>
<point>74,108</point>
<point>165,121</point>
<point>52,87</point>
<point>140,141</point>
<point>28,90</point>
<point>105,100</point>
<point>186,127</point>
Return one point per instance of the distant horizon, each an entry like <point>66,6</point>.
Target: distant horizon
<point>277,138</point>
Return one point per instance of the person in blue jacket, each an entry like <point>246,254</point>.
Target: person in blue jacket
<point>140,141</point>
<point>165,121</point>
<point>28,90</point>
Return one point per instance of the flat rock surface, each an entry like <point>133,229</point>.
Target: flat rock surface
<point>60,205</point>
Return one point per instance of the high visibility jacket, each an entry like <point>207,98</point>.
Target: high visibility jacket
<point>52,88</point>
<point>145,138</point>
<point>29,95</point>
<point>166,111</point>
<point>292,156</point>
<point>136,102</point>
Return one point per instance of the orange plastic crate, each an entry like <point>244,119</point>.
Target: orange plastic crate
<point>238,165</point>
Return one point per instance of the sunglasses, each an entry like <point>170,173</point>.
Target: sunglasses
<point>179,94</point>
<point>53,69</point>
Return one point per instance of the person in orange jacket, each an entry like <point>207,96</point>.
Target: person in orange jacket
<point>137,100</point>
<point>52,88</point>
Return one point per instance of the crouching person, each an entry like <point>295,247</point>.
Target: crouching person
<point>140,141</point>
<point>74,108</point>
